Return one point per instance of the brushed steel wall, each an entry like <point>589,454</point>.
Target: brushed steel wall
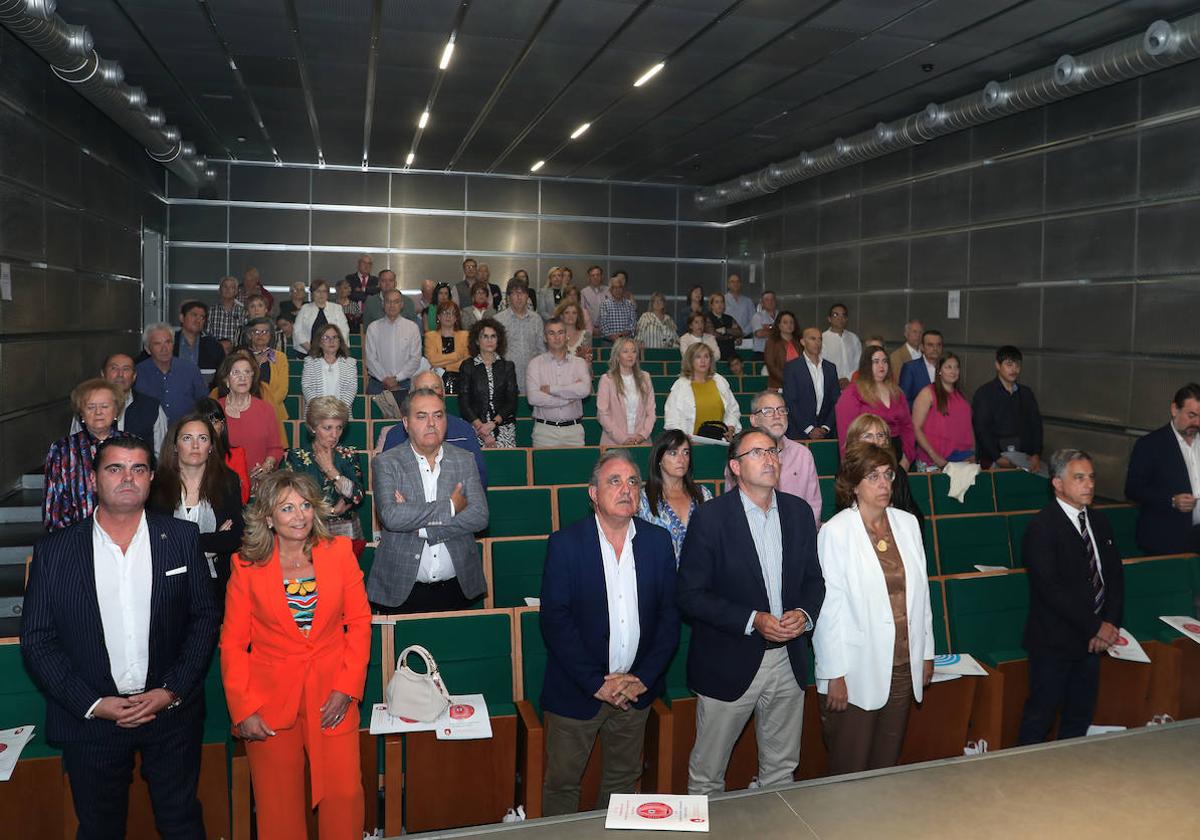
<point>1070,231</point>
<point>74,191</point>
<point>298,223</point>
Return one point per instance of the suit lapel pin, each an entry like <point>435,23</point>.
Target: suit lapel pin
<point>162,536</point>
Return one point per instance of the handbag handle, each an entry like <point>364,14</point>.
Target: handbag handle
<point>430,665</point>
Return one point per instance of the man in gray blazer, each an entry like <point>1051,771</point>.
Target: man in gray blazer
<point>430,503</point>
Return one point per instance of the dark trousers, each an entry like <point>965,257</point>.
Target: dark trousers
<point>442,596</point>
<point>100,773</point>
<point>859,740</point>
<point>375,386</point>
<point>569,745</point>
<point>1067,684</point>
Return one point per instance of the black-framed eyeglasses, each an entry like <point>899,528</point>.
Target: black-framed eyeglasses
<point>772,411</point>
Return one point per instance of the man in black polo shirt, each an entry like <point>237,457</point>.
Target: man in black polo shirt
<point>1008,424</point>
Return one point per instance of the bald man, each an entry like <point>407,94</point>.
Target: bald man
<point>459,432</point>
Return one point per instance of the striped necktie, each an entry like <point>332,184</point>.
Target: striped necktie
<point>1093,564</point>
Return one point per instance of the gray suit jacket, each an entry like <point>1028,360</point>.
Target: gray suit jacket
<point>399,553</point>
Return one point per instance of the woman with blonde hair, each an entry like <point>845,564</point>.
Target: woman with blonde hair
<point>875,392</point>
<point>579,337</point>
<point>332,466</point>
<point>552,294</point>
<point>294,651</point>
<point>625,398</point>
<point>701,403</point>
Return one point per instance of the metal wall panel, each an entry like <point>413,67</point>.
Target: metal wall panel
<point>575,237</point>
<point>1006,190</point>
<point>62,176</point>
<point>885,213</point>
<point>951,150</point>
<point>648,277</point>
<point>1166,317</point>
<point>484,234</point>
<point>1171,90</point>
<point>62,236</point>
<point>196,265</point>
<point>1110,452</point>
<point>22,149</point>
<point>1000,316</point>
<point>630,202</point>
<point>1095,245</point>
<point>562,198</point>
<point>22,226</point>
<point>363,230</point>
<point>1170,159</point>
<point>642,240</point>
<point>277,268</point>
<point>1088,317</point>
<point>338,186</point>
<point>1089,112</point>
<point>1011,134</point>
<point>701,242</point>
<point>1154,386</point>
<point>885,265</point>
<point>437,192</point>
<point>267,225</point>
<point>840,182</point>
<point>881,314</point>
<point>799,277</point>
<point>930,307</point>
<point>502,194</point>
<point>1095,173</point>
<point>800,227</point>
<point>838,269</point>
<point>1006,255</point>
<point>839,220</point>
<point>446,232</point>
<point>199,223</point>
<point>269,183</point>
<point>939,261</point>
<point>1167,240</point>
<point>941,202</point>
<point>887,169</point>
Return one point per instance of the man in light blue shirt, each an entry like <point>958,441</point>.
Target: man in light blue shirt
<point>176,383</point>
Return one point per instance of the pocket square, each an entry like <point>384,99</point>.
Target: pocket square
<point>180,570</point>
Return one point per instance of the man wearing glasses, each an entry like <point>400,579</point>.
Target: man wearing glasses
<point>797,470</point>
<point>751,586</point>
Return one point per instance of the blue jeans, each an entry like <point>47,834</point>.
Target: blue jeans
<point>375,386</point>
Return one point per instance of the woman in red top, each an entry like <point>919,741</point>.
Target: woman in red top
<point>876,392</point>
<point>235,456</point>
<point>250,421</point>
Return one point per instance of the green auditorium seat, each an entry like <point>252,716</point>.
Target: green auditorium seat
<point>216,712</point>
<point>918,484</point>
<point>364,516</point>
<point>452,405</point>
<point>507,467</point>
<point>355,339</point>
<point>524,431</point>
<point>573,504</point>
<point>661,354</point>
<point>964,541</point>
<point>1154,588</point>
<point>517,570</point>
<point>294,389</point>
<point>599,368</point>
<point>754,384</point>
<point>662,384</point>
<point>533,658</point>
<point>591,431</point>
<point>653,368</point>
<point>366,560</point>
<point>358,409</point>
<point>825,456</point>
<point>355,435</point>
<point>473,653</point>
<point>931,567</point>
<point>676,679</point>
<point>1017,522</point>
<point>374,689</point>
<point>708,461</point>
<point>20,701</point>
<point>291,404</point>
<point>564,466</point>
<point>291,434</point>
<point>987,615</point>
<point>979,499</point>
<point>1020,490</point>
<point>1123,519</point>
<point>744,401</point>
<point>641,457</point>
<point>523,407</point>
<point>828,498</point>
<point>673,367</point>
<point>518,512</point>
<point>941,640</point>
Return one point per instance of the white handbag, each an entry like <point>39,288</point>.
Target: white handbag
<point>420,697</point>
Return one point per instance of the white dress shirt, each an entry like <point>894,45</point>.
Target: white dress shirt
<point>393,348</point>
<point>1191,459</point>
<point>620,583</point>
<point>123,584</point>
<point>436,565</point>
<point>914,353</point>
<point>1072,513</point>
<point>762,319</point>
<point>843,350</point>
<point>818,381</point>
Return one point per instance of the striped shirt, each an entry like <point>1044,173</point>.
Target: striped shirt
<point>656,333</point>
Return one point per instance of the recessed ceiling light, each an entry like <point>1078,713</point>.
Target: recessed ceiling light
<point>446,53</point>
<point>241,138</point>
<point>577,132</point>
<point>424,121</point>
<point>537,166</point>
<point>411,157</point>
<point>649,74</point>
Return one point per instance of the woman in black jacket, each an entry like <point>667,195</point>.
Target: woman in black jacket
<point>488,387</point>
<point>192,482</point>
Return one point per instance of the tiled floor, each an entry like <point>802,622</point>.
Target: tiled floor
<point>1131,785</point>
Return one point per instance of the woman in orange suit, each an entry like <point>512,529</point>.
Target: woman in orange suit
<point>294,651</point>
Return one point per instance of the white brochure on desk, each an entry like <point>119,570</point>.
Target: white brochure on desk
<point>657,812</point>
<point>1127,648</point>
<point>383,723</point>
<point>951,666</point>
<point>1185,624</point>
<point>12,741</point>
<point>465,719</point>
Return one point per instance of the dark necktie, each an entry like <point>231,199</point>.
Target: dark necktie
<point>1093,564</point>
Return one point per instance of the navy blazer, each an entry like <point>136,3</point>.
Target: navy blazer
<point>574,616</point>
<point>801,398</point>
<point>1062,619</point>
<point>914,378</point>
<point>721,581</point>
<point>62,636</point>
<point>1156,473</point>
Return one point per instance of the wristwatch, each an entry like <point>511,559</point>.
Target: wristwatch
<point>176,700</point>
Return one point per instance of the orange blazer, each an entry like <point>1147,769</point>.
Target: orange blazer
<point>267,663</point>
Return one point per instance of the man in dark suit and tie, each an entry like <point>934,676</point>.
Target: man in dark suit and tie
<point>751,586</point>
<point>918,374</point>
<point>1076,599</point>
<point>611,626</point>
<point>430,504</point>
<point>810,390</point>
<point>1164,479</point>
<point>363,283</point>
<point>120,623</point>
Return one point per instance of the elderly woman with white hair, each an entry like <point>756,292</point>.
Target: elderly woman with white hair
<point>332,466</point>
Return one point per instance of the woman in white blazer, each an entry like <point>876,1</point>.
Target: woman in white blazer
<point>700,395</point>
<point>873,644</point>
<point>625,398</point>
<point>319,312</point>
<point>329,369</point>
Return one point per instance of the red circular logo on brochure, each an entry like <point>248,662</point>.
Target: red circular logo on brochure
<point>3,747</point>
<point>408,720</point>
<point>461,711</point>
<point>697,820</point>
<point>1192,628</point>
<point>654,811</point>
<point>1122,641</point>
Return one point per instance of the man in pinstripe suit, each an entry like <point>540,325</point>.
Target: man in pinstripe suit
<point>120,622</point>
<point>430,503</point>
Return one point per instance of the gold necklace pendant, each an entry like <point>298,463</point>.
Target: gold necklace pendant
<point>881,546</point>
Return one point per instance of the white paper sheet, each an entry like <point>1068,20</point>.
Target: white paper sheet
<point>12,742</point>
<point>1185,624</point>
<point>384,724</point>
<point>1127,648</point>
<point>962,664</point>
<point>533,602</point>
<point>982,568</point>
<point>940,677</point>
<point>657,812</point>
<point>465,719</point>
<point>1103,730</point>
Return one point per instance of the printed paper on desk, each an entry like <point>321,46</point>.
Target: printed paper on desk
<point>384,724</point>
<point>962,664</point>
<point>1185,624</point>
<point>12,741</point>
<point>982,568</point>
<point>1127,648</point>
<point>938,677</point>
<point>657,812</point>
<point>465,719</point>
<point>533,602</point>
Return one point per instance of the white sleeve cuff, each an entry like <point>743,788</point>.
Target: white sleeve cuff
<point>92,708</point>
<point>750,623</point>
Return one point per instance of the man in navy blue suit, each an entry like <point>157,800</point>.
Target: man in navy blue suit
<point>810,390</point>
<point>918,374</point>
<point>1164,479</point>
<point>120,623</point>
<point>751,586</point>
<point>611,626</point>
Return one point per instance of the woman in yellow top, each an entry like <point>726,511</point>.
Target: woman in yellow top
<point>446,346</point>
<point>700,395</point>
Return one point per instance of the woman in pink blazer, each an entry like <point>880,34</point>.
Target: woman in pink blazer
<point>625,398</point>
